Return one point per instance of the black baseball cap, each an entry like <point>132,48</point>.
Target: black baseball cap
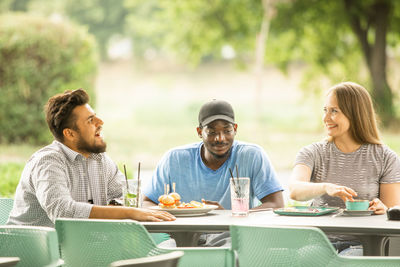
<point>216,110</point>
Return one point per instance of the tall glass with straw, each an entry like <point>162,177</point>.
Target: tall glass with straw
<point>128,191</point>
<point>240,192</point>
<point>131,191</point>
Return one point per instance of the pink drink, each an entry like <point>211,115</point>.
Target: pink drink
<point>240,206</point>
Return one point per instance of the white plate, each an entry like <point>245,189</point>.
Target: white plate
<point>357,212</point>
<point>188,211</point>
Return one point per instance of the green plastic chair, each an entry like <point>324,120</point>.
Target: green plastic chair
<point>35,246</point>
<point>6,205</point>
<point>293,246</point>
<point>160,237</point>
<point>165,260</point>
<point>93,242</point>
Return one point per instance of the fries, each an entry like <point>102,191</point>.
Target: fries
<point>191,205</point>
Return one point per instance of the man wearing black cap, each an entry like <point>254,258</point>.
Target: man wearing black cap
<point>201,170</point>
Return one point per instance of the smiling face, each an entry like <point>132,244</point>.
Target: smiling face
<point>336,123</point>
<point>87,135</point>
<point>218,137</point>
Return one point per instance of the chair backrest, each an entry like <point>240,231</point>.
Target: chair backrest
<point>206,257</point>
<point>166,260</point>
<point>160,237</point>
<point>35,246</point>
<point>91,242</point>
<point>293,246</point>
<point>281,246</point>
<point>6,205</point>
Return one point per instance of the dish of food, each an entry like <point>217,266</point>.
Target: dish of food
<point>305,211</point>
<point>169,200</point>
<point>188,211</point>
<point>191,205</point>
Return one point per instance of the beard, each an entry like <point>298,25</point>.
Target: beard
<point>83,145</point>
<point>220,156</point>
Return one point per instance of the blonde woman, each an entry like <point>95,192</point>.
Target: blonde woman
<point>352,162</point>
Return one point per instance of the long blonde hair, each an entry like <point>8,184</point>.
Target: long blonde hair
<point>356,104</point>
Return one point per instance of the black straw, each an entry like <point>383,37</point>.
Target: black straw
<point>233,180</point>
<point>237,173</point>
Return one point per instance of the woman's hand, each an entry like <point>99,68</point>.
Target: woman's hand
<point>377,206</point>
<point>209,202</point>
<point>344,192</point>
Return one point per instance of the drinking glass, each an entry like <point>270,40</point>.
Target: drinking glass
<point>130,194</point>
<point>240,191</point>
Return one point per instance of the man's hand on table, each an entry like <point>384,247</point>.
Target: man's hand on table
<point>150,215</point>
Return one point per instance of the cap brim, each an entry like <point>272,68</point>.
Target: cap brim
<point>217,117</point>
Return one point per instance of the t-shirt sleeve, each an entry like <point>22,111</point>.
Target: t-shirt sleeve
<point>391,168</point>
<point>265,180</point>
<point>155,186</point>
<point>306,156</point>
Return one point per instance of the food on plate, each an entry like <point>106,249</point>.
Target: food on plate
<point>301,210</point>
<point>175,195</point>
<point>166,200</point>
<point>173,200</point>
<point>191,205</point>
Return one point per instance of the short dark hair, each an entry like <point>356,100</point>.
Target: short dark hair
<point>59,111</point>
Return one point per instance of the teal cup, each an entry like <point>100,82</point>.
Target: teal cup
<point>357,204</point>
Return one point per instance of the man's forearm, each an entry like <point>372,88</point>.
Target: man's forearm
<point>138,214</point>
<point>110,212</point>
<point>274,200</point>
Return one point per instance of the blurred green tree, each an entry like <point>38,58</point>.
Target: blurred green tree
<point>196,30</point>
<point>342,40</point>
<point>104,19</point>
<point>39,58</point>
<point>346,40</point>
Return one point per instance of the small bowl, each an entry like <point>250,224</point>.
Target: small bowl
<point>357,204</point>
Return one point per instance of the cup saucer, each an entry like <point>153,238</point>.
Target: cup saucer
<point>357,212</point>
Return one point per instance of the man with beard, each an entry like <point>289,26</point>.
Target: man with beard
<point>72,177</point>
<point>201,170</point>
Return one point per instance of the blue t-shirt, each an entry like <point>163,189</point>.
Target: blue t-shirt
<point>194,180</point>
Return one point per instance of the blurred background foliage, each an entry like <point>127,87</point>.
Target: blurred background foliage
<point>171,56</point>
<point>36,62</point>
<point>336,39</point>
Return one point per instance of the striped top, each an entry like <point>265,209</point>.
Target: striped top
<point>362,170</point>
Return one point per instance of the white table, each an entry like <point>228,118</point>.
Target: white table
<point>372,230</point>
<point>8,261</point>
